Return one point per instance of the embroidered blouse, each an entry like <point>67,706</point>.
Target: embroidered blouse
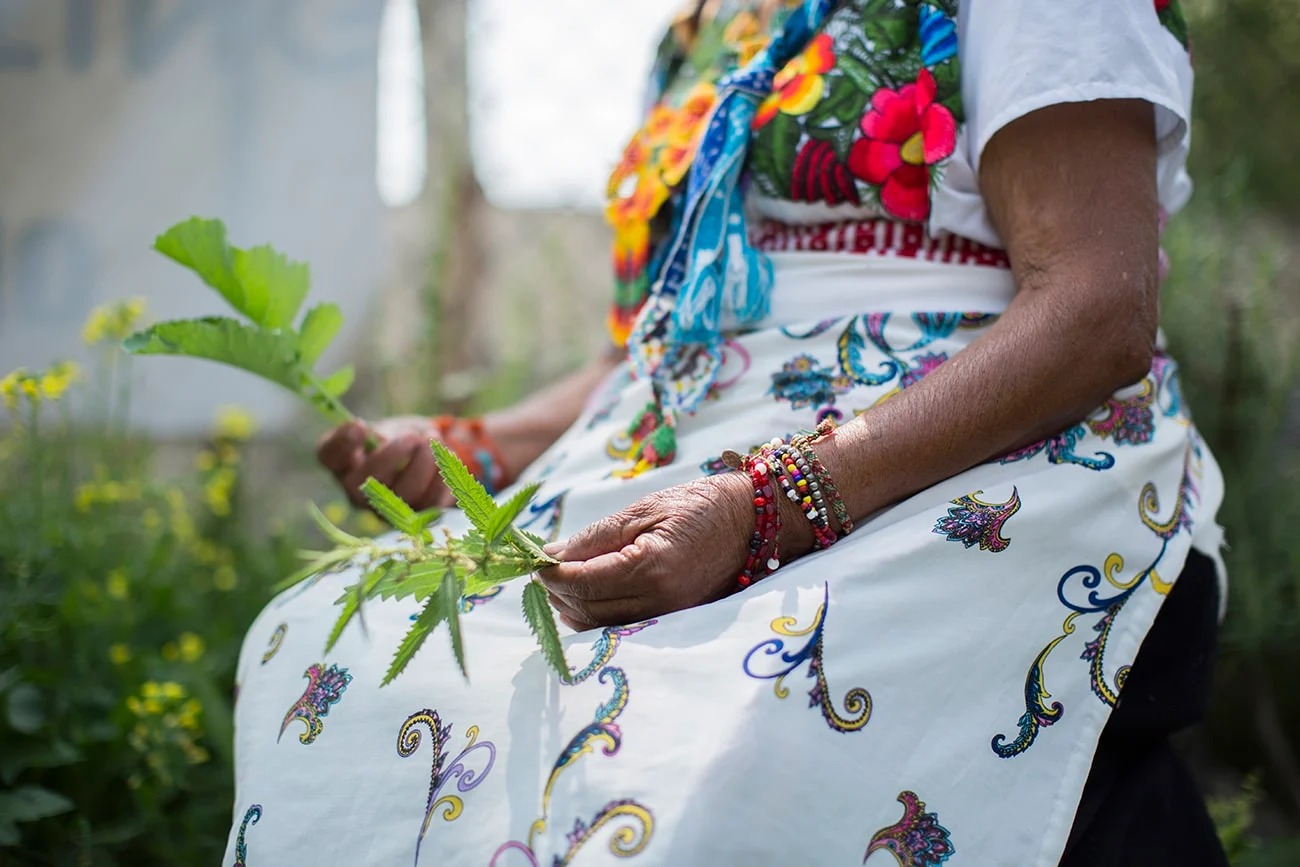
<point>887,110</point>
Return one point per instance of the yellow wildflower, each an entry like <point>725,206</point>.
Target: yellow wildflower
<point>172,690</point>
<point>235,423</point>
<point>188,716</point>
<point>225,579</point>
<point>120,654</point>
<point>369,524</point>
<point>151,706</point>
<point>150,689</point>
<point>116,584</point>
<point>191,646</point>
<point>205,461</point>
<point>218,489</point>
<point>55,381</point>
<point>112,321</point>
<point>336,512</point>
<point>9,387</point>
<point>134,706</point>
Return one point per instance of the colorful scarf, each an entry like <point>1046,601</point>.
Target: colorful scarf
<point>676,339</point>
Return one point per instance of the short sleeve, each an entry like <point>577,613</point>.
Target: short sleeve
<point>1018,56</point>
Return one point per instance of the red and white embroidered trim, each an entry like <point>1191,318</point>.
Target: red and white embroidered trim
<point>880,237</point>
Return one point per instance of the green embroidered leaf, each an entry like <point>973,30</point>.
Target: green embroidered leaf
<point>200,245</point>
<point>337,536</point>
<point>391,507</point>
<point>541,620</point>
<point>470,495</point>
<point>449,600</point>
<point>862,77</point>
<point>844,103</point>
<point>785,147</point>
<point>319,327</point>
<point>271,355</point>
<point>508,511</point>
<point>424,624</point>
<point>273,285</point>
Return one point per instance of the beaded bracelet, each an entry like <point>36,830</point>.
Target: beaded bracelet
<point>472,444</point>
<point>803,489</point>
<point>804,444</point>
<point>764,555</point>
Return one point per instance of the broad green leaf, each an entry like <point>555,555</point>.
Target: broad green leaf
<point>273,285</point>
<point>32,803</point>
<point>200,245</point>
<point>471,496</point>
<point>510,510</point>
<point>541,620</point>
<point>318,330</point>
<point>430,617</point>
<point>26,709</point>
<point>271,355</point>
<point>391,507</point>
<point>351,601</point>
<point>336,535</point>
<point>449,600</point>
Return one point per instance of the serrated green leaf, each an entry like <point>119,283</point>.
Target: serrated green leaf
<point>338,536</point>
<point>426,518</point>
<point>351,601</point>
<point>424,624</point>
<point>405,580</point>
<point>274,285</point>
<point>509,510</point>
<point>338,382</point>
<point>318,330</point>
<point>541,620</point>
<point>31,804</point>
<point>470,495</point>
<point>530,544</point>
<point>391,507</point>
<point>501,569</point>
<point>200,245</point>
<point>327,562</point>
<point>271,355</point>
<point>449,598</point>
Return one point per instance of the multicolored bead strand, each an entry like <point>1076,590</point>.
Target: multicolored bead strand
<point>804,444</point>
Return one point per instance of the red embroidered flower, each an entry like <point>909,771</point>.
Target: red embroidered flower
<point>1161,4</point>
<point>905,132</point>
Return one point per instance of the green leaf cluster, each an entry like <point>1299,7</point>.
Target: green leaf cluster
<point>267,289</point>
<point>436,573</point>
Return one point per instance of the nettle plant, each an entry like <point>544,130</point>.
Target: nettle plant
<point>421,562</point>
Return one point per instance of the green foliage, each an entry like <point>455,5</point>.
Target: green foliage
<point>422,628</point>
<point>124,602</point>
<point>268,289</point>
<point>537,611</point>
<point>471,496</point>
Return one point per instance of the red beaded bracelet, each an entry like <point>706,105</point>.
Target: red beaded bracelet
<point>764,556</point>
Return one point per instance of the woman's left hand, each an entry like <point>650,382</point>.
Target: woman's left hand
<point>674,549</point>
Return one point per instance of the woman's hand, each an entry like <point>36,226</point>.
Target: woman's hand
<point>402,460</point>
<point>674,549</point>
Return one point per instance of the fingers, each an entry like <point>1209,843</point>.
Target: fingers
<point>383,464</point>
<point>606,535</point>
<point>419,483</point>
<point>340,449</point>
<point>581,616</point>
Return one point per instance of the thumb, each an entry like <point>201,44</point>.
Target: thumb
<point>603,537</point>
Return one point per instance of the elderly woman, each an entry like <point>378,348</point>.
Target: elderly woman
<point>882,266</point>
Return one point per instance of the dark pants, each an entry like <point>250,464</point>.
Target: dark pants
<point>1140,806</point>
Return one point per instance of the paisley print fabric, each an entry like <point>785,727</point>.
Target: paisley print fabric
<point>930,688</point>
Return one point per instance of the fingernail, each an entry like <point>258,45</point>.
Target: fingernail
<point>553,549</point>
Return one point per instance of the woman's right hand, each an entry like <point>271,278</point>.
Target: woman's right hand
<point>402,460</point>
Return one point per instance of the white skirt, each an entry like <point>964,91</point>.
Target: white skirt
<point>928,691</point>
